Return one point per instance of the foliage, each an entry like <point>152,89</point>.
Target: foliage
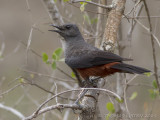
<point>111,109</point>
<point>73,75</point>
<point>55,58</point>
<point>83,4</point>
<point>154,92</point>
<point>133,96</point>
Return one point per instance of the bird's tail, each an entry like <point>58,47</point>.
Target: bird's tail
<point>130,68</point>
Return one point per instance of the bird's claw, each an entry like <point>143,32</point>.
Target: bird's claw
<point>94,80</point>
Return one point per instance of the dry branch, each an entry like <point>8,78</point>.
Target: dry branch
<point>112,25</point>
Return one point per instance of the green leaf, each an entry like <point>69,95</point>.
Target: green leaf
<point>44,57</point>
<point>83,3</point>
<point>21,80</point>
<point>65,0</point>
<point>110,107</point>
<point>94,20</point>
<point>154,83</point>
<point>153,93</point>
<point>86,18</point>
<point>58,52</point>
<point>54,65</point>
<point>120,100</point>
<point>133,96</point>
<point>73,75</point>
<point>54,57</point>
<point>32,76</point>
<point>82,7</point>
<point>148,74</point>
<point>108,116</point>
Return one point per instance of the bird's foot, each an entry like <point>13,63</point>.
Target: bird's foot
<point>94,80</point>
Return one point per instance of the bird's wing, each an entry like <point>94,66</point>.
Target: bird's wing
<point>92,58</point>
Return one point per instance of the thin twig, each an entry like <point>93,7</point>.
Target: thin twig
<point>148,30</point>
<point>125,98</point>
<point>129,34</point>
<point>28,6</point>
<point>40,87</point>
<point>153,46</point>
<point>141,17</point>
<point>94,12</point>
<point>65,73</point>
<point>49,76</point>
<point>93,3</point>
<point>6,92</point>
<point>41,58</point>
<point>133,9</point>
<point>12,110</point>
<point>139,84</point>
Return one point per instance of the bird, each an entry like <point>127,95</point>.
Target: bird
<point>88,60</point>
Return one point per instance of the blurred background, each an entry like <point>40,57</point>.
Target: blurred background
<point>26,80</point>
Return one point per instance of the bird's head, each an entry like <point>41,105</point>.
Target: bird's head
<point>67,30</point>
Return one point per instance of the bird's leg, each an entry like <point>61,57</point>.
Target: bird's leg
<point>80,96</point>
<point>88,82</point>
<point>80,81</point>
<point>94,80</point>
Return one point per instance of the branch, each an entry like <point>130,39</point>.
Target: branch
<point>41,58</point>
<point>12,110</point>
<point>129,34</point>
<point>11,89</point>
<point>153,45</point>
<point>58,107</point>
<point>93,12</point>
<point>49,76</point>
<point>40,87</point>
<point>112,25</point>
<point>99,25</point>
<point>83,106</point>
<point>93,3</point>
<point>142,17</point>
<point>53,11</point>
<point>148,30</point>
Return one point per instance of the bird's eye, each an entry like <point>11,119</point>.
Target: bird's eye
<point>68,26</point>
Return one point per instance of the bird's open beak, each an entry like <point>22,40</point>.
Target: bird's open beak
<point>59,29</point>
